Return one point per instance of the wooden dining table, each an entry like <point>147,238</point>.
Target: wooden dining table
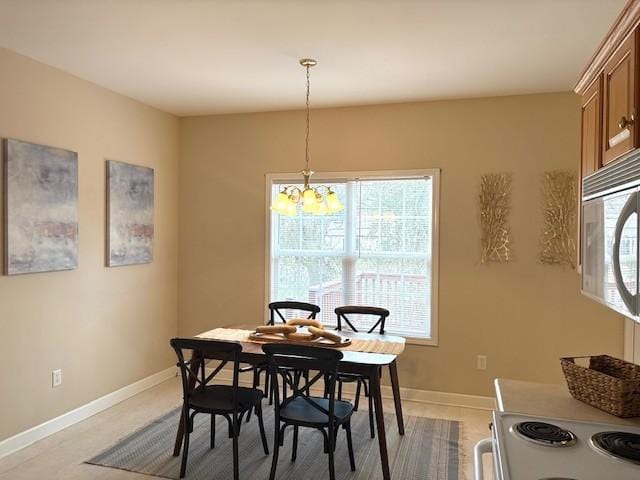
<point>368,364</point>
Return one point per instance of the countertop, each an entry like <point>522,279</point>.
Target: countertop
<point>553,401</point>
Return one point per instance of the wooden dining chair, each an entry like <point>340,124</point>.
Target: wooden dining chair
<point>200,395</point>
<point>301,409</point>
<point>279,310</point>
<point>379,316</point>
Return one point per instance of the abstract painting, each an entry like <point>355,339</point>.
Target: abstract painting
<point>495,205</point>
<point>129,214</point>
<point>41,208</point>
<point>560,209</point>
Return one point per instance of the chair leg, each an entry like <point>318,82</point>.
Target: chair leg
<point>240,423</point>
<point>294,449</point>
<point>276,448</point>
<point>371,421</point>
<point>356,402</point>
<point>265,393</point>
<point>236,434</point>
<point>366,387</point>
<point>325,441</point>
<point>332,469</point>
<point>255,383</point>
<point>185,448</point>
<point>213,431</point>
<point>230,421</point>
<point>284,387</point>
<point>339,389</point>
<point>282,429</point>
<point>263,435</point>
<point>352,460</point>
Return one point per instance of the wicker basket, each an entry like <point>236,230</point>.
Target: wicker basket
<point>609,384</point>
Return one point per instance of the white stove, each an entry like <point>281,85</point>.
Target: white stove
<point>531,448</point>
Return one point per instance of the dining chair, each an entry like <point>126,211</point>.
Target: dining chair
<point>201,396</point>
<point>301,409</point>
<point>280,309</point>
<point>379,316</point>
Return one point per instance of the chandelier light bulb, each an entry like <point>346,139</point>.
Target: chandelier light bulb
<point>291,208</point>
<point>333,203</point>
<point>280,203</point>
<point>322,209</point>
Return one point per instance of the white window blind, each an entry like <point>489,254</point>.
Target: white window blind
<point>376,252</point>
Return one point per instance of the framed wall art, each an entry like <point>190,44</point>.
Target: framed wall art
<point>130,202</point>
<point>40,208</point>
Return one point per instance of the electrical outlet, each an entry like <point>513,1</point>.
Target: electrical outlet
<point>56,378</point>
<point>482,362</point>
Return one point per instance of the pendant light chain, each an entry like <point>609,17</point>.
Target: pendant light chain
<point>316,199</point>
<point>306,155</point>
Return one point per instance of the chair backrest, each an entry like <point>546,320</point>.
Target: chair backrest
<point>192,370</point>
<point>286,361</point>
<point>275,308</point>
<point>343,313</point>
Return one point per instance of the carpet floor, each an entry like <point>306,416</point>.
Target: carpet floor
<point>428,450</point>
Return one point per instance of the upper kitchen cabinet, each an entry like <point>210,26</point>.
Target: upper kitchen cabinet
<point>609,87</point>
<point>620,82</point>
<point>592,128</point>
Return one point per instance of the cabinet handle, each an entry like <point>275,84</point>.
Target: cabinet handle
<point>626,122</point>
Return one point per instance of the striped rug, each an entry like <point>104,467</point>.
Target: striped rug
<point>428,450</point>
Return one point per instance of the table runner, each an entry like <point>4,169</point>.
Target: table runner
<point>357,344</point>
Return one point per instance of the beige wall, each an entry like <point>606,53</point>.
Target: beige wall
<point>523,315</point>
<point>108,327</point>
<point>104,327</point>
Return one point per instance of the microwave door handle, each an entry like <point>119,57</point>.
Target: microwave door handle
<point>629,299</point>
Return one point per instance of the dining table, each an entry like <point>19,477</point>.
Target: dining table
<point>367,355</point>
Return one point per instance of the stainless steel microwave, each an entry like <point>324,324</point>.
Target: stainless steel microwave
<point>610,229</point>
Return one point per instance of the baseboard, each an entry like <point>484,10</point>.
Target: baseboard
<point>477,402</point>
<point>26,438</point>
<point>410,394</point>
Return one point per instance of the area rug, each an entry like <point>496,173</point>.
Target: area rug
<point>428,450</point>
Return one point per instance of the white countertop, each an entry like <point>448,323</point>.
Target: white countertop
<point>553,401</point>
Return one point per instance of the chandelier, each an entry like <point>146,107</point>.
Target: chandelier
<point>317,200</point>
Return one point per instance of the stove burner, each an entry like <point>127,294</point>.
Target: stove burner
<point>544,434</point>
<point>620,445</point>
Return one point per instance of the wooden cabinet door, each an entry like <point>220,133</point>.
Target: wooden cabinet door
<point>592,128</point>
<point>591,150</point>
<point>619,101</point>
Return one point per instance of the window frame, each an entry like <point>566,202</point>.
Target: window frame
<point>433,173</point>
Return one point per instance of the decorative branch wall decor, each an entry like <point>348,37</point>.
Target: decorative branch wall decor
<point>495,205</point>
<point>559,204</point>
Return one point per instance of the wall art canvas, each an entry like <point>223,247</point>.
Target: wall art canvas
<point>560,210</point>
<point>495,206</point>
<point>129,214</point>
<point>40,208</point>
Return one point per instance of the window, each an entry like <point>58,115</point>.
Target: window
<point>379,251</point>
